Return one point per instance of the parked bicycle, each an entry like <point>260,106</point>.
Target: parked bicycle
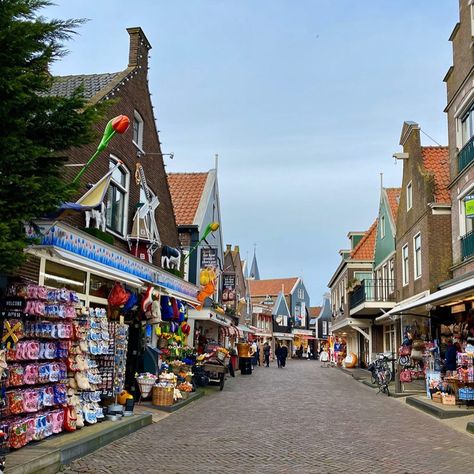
<point>381,373</point>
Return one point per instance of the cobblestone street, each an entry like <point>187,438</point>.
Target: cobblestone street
<point>301,419</point>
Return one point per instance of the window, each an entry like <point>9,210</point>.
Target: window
<point>300,293</point>
<point>325,328</point>
<point>405,268</point>
<point>391,273</point>
<point>409,196</point>
<point>117,199</point>
<point>62,276</point>
<point>417,254</point>
<point>137,130</point>
<point>382,227</point>
<point>467,125</point>
<point>389,338</point>
<point>465,223</point>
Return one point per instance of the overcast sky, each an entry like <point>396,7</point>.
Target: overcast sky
<point>303,101</point>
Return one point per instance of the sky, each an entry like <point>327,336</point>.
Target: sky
<point>303,101</point>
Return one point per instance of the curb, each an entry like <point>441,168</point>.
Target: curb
<point>438,412</point>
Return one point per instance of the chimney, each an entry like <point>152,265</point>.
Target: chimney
<point>236,248</point>
<point>139,47</point>
<point>228,248</point>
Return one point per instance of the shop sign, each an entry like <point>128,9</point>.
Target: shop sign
<point>228,288</point>
<point>469,206</point>
<point>458,308</point>
<point>91,250</point>
<point>221,318</point>
<point>208,257</point>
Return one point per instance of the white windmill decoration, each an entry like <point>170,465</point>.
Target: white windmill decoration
<point>144,239</point>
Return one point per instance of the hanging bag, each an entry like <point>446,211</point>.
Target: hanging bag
<point>118,295</point>
<point>405,376</point>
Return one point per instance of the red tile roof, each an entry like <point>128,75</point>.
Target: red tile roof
<point>186,192</point>
<point>314,311</point>
<point>436,162</point>
<point>365,249</point>
<point>393,195</point>
<point>271,287</point>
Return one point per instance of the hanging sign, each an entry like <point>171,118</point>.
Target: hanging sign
<point>469,206</point>
<point>228,290</point>
<point>208,257</point>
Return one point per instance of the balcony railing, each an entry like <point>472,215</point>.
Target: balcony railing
<point>372,291</point>
<point>466,155</point>
<point>467,245</point>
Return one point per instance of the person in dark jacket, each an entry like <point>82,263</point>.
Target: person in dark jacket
<point>450,357</point>
<point>283,355</point>
<point>278,355</point>
<point>266,354</point>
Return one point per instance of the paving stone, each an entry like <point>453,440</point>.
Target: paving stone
<point>301,419</point>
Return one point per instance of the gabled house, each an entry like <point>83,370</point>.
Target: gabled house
<point>322,317</point>
<point>296,326</point>
<point>196,204</point>
<point>356,267</point>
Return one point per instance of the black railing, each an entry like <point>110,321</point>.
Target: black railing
<point>372,291</point>
<point>466,154</point>
<point>467,245</point>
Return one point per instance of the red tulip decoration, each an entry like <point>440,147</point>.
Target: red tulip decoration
<point>119,125</point>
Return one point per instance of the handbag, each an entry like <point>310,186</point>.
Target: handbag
<point>118,295</point>
<point>404,351</point>
<point>405,376</point>
<point>404,360</point>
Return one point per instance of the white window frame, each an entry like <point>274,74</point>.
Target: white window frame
<point>405,265</point>
<point>126,190</point>
<point>463,228</point>
<point>325,328</point>
<point>139,142</point>
<point>391,272</point>
<point>409,195</point>
<point>382,226</point>
<point>417,266</point>
<point>389,330</point>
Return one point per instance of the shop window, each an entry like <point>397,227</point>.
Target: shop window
<point>117,199</point>
<point>137,130</point>
<point>405,266</point>
<point>100,287</point>
<point>61,276</point>
<point>409,196</point>
<point>417,255</point>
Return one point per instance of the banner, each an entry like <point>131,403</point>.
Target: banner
<point>209,258</point>
<point>228,288</point>
<point>469,206</point>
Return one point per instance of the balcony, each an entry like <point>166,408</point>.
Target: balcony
<point>466,155</point>
<point>467,245</point>
<point>371,295</point>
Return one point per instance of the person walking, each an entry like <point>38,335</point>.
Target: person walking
<point>266,354</point>
<point>254,353</point>
<point>278,354</point>
<point>283,355</point>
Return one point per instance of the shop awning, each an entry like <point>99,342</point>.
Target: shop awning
<point>244,328</point>
<point>284,336</point>
<point>413,302</point>
<point>207,315</point>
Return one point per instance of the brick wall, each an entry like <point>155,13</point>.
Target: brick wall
<point>132,95</point>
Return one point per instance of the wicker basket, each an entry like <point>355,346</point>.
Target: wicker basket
<point>145,387</point>
<point>163,396</point>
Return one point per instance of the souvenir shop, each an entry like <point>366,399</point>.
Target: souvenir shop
<point>302,341</point>
<point>67,328</point>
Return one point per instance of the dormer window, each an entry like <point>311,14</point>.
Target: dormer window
<point>382,227</point>
<point>137,130</point>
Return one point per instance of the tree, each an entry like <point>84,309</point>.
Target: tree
<point>35,128</point>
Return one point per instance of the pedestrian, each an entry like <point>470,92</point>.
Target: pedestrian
<point>266,354</point>
<point>278,354</point>
<point>283,355</point>
<point>254,353</point>
<point>309,352</point>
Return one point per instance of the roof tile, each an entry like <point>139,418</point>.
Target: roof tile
<point>65,86</point>
<point>436,162</point>
<point>186,193</point>
<point>314,311</point>
<point>271,287</point>
<point>365,249</point>
<point>393,195</point>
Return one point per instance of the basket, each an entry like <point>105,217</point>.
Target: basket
<point>145,387</point>
<point>243,349</point>
<point>163,396</point>
<point>437,397</point>
<point>449,400</point>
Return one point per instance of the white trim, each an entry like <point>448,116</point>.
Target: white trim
<point>126,190</point>
<point>409,195</point>
<point>139,118</point>
<point>416,277</point>
<point>405,277</point>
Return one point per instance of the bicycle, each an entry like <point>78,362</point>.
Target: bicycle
<point>381,373</point>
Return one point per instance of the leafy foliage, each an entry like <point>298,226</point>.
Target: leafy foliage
<point>35,128</point>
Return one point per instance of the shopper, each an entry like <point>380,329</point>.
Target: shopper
<point>283,356</point>
<point>450,357</point>
<point>278,355</point>
<point>266,354</point>
<point>309,353</point>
